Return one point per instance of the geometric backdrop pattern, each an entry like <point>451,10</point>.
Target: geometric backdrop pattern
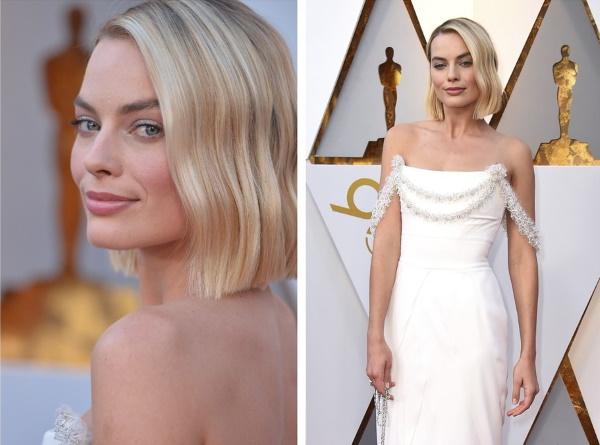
<point>565,295</point>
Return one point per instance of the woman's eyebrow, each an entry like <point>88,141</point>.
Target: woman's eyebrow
<point>79,102</point>
<point>460,56</point>
<point>125,109</point>
<point>139,105</point>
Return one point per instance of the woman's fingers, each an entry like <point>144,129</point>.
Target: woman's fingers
<point>380,380</point>
<point>388,377</point>
<point>379,365</point>
<point>529,395</point>
<point>516,395</point>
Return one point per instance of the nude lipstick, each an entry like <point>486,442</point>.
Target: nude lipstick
<point>104,204</point>
<point>454,91</point>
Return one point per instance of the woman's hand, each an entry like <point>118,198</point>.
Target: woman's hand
<point>379,365</point>
<point>524,376</point>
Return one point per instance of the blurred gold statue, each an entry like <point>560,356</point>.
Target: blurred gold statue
<point>59,319</point>
<point>565,151</point>
<point>64,74</point>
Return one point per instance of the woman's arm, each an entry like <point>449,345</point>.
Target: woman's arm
<point>523,269</point>
<point>384,262</point>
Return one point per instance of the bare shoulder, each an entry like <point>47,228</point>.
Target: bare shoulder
<point>516,147</point>
<point>134,378</point>
<point>285,313</point>
<point>168,373</point>
<point>288,327</point>
<point>516,154</point>
<point>138,348</point>
<point>409,131</point>
<point>402,138</point>
<point>137,334</point>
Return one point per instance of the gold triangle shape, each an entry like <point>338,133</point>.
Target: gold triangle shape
<point>373,154</point>
<point>363,424</point>
<point>510,86</point>
<point>565,371</point>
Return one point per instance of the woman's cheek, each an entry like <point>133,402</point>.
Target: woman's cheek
<point>77,167</point>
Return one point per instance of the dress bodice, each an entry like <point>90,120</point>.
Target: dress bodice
<point>451,217</point>
<point>468,204</point>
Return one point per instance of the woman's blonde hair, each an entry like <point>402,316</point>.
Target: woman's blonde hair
<point>227,92</point>
<point>485,65</point>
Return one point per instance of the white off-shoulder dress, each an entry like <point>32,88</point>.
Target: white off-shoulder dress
<point>446,324</point>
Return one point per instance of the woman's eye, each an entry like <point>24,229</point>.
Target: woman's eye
<point>438,66</point>
<point>466,63</point>
<point>148,130</point>
<point>85,125</point>
<point>152,130</point>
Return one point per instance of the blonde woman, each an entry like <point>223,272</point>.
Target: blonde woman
<point>186,162</point>
<point>437,334</point>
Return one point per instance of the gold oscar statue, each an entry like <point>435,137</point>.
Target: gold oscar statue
<point>59,319</point>
<point>64,74</point>
<point>390,74</point>
<point>564,151</point>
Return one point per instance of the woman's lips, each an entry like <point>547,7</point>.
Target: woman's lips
<point>454,91</point>
<point>103,204</point>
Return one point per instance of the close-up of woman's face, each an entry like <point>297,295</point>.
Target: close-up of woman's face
<point>119,159</point>
<point>452,72</point>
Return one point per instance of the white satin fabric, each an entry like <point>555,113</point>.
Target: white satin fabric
<point>446,324</point>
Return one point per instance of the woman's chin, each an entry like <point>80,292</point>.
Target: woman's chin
<point>108,241</point>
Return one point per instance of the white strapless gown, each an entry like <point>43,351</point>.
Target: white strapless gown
<point>446,324</point>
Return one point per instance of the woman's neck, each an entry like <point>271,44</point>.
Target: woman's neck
<point>163,274</point>
<point>459,122</point>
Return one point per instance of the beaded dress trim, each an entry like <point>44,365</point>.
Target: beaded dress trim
<point>70,429</point>
<point>472,199</point>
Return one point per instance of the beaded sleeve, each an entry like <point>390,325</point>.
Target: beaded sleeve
<point>525,225</point>
<point>384,198</point>
<point>70,429</point>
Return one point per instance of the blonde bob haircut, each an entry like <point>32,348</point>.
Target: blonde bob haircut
<point>485,65</point>
<point>226,87</point>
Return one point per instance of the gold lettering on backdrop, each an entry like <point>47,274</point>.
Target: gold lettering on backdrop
<point>564,150</point>
<point>352,209</point>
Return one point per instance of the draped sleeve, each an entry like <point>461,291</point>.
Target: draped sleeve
<point>384,198</point>
<point>525,225</point>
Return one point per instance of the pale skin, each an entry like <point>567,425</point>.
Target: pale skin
<point>180,370</point>
<point>457,143</point>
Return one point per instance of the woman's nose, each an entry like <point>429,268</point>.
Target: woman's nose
<point>102,158</point>
<point>452,73</point>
